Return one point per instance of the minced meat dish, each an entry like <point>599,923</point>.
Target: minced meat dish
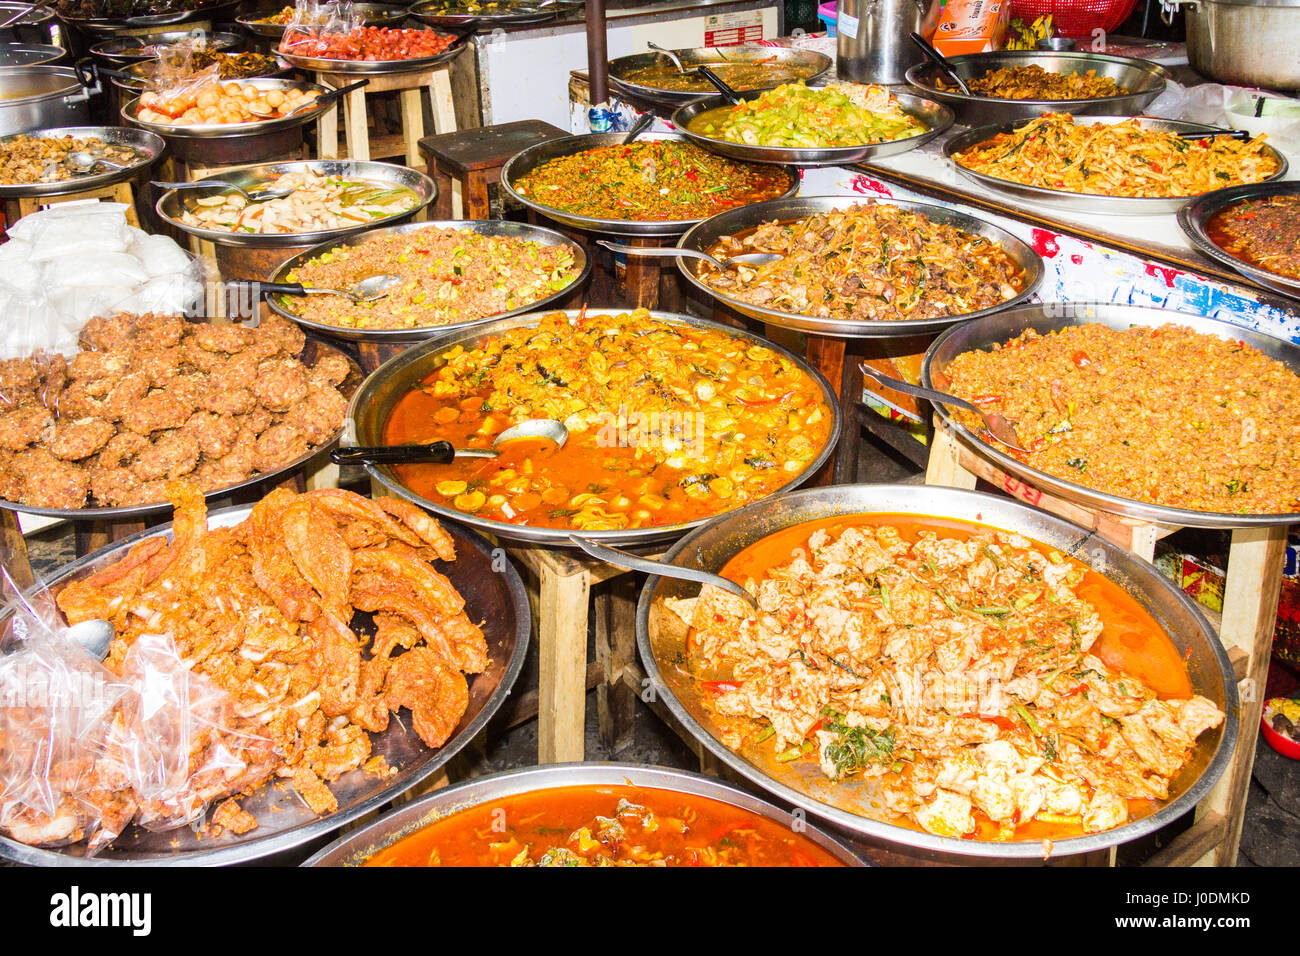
<point>1262,232</point>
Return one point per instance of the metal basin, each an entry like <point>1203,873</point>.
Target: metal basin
<point>661,640</point>
<point>148,148</point>
<point>809,64</point>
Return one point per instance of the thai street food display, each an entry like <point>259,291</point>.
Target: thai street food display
<point>34,159</point>
<point>1032,82</point>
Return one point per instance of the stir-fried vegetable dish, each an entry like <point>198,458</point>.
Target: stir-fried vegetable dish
<point>1034,83</point>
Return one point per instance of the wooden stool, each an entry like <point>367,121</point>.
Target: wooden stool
<point>123,192</point>
<point>405,144</point>
<point>1250,599</point>
<point>465,163</point>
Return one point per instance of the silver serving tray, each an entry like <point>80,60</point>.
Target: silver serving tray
<point>311,353</point>
<point>700,238</point>
<point>134,79</point>
<point>810,63</point>
<point>169,206</point>
<point>1053,316</point>
<point>375,399</point>
<point>1195,216</point>
<point>525,162</point>
<point>494,594</point>
<point>935,116</point>
<point>373,67</point>
<point>526,14</point>
<point>148,146</point>
<point>112,26</point>
<point>373,15</point>
<point>363,843</point>
<point>1144,80</point>
<point>129,48</point>
<point>1083,202</point>
<point>661,638</point>
<point>487,227</point>
<point>227,130</point>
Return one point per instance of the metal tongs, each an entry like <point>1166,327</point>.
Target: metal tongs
<point>941,62</point>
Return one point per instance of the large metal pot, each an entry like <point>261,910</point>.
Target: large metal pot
<point>34,27</point>
<point>872,44</point>
<point>41,97</point>
<point>1244,42</point>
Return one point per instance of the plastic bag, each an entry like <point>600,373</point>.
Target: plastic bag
<point>170,102</point>
<point>1232,106</point>
<point>314,23</point>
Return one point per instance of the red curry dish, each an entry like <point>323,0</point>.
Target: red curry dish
<point>1264,233</point>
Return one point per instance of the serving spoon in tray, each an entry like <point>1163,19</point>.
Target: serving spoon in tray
<point>443,452</point>
<point>625,559</point>
<point>367,290</point>
<point>752,259</point>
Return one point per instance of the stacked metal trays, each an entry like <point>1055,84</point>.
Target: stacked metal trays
<point>1084,202</point>
<point>30,54</point>
<point>487,227</point>
<point>110,26</point>
<point>810,65</point>
<point>312,352</point>
<point>661,640</point>
<point>1195,216</point>
<point>936,117</point>
<point>994,330</point>
<point>169,205</point>
<point>373,67</point>
<point>372,403</point>
<point>372,15</point>
<point>128,49</point>
<point>525,12</point>
<point>494,595</point>
<point>357,847</point>
<point>525,162</point>
<point>702,237</point>
<point>147,145</point>
<point>1143,79</point>
<point>224,130</point>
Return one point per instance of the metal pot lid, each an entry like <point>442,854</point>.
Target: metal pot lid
<point>30,54</point>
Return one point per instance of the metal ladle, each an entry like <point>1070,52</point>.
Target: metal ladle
<point>84,161</point>
<point>668,53</point>
<point>264,195</point>
<point>752,259</point>
<point>443,452</point>
<point>625,559</point>
<point>367,290</point>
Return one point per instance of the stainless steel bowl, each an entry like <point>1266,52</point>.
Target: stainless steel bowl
<point>226,130</point>
<point>702,237</point>
<point>1143,79</point>
<point>808,64</point>
<point>171,204</point>
<point>661,640</point>
<point>372,14</point>
<point>526,13</point>
<point>525,162</point>
<point>994,330</point>
<point>374,401</point>
<point>361,844</point>
<point>373,67</point>
<point>1083,202</point>
<point>487,227</point>
<point>30,54</point>
<point>1194,217</point>
<point>935,116</point>
<point>130,48</point>
<point>494,594</point>
<point>148,148</point>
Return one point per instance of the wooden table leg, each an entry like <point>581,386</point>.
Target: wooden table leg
<point>441,101</point>
<point>562,683</point>
<point>412,125</point>
<point>475,196</point>
<point>16,563</point>
<point>827,356</point>
<point>442,205</point>
<point>616,650</point>
<point>358,126</point>
<point>93,535</point>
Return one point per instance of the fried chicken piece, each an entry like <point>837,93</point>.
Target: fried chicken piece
<point>101,594</point>
<point>78,401</point>
<point>172,455</point>
<point>284,333</point>
<point>331,369</point>
<point>228,401</point>
<point>280,384</point>
<point>320,553</point>
<point>25,426</point>
<point>11,480</point>
<point>338,655</point>
<point>127,394</point>
<point>74,440</point>
<point>436,693</point>
<point>18,377</point>
<point>98,366</point>
<point>348,507</point>
<point>313,791</point>
<point>114,487</point>
<point>159,366</point>
<point>122,449</point>
<point>215,434</point>
<point>278,445</point>
<point>49,482</point>
<point>376,592</point>
<point>105,332</point>
<point>435,591</point>
<point>223,338</point>
<point>468,643</point>
<point>157,411</point>
<point>346,748</point>
<point>229,815</point>
<point>422,523</point>
<point>159,331</point>
<point>320,415</point>
<point>274,569</point>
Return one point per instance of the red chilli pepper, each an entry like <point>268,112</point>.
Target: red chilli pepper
<point>721,686</point>
<point>1080,359</point>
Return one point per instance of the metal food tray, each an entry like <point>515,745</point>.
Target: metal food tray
<point>528,13</point>
<point>226,130</point>
<point>937,118</point>
<point>373,67</point>
<point>372,403</point>
<point>487,227</point>
<point>311,354</point>
<point>809,62</point>
<point>1143,79</point>
<point>112,26</point>
<point>525,162</point>
<point>992,330</point>
<point>373,15</point>
<point>661,640</point>
<point>1084,202</point>
<point>702,237</point>
<point>494,595</point>
<point>148,145</point>
<point>169,205</point>
<point>1195,216</point>
<point>129,48</point>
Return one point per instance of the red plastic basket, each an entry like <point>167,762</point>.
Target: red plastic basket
<point>1076,18</point>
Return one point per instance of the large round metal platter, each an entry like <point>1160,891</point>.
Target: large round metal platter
<point>119,51</point>
<point>1143,79</point>
<point>171,204</point>
<point>787,64</point>
<point>30,54</point>
<point>935,116</point>
<point>661,640</point>
<point>147,145</point>
<point>373,67</point>
<point>1083,202</point>
<point>525,162</point>
<point>702,237</point>
<point>486,227</point>
<point>111,26</point>
<point>494,595</point>
<point>1194,218</point>
<point>225,130</point>
<point>311,353</point>
<point>372,403</point>
<point>363,843</point>
<point>372,15</point>
<point>994,330</point>
<point>513,14</point>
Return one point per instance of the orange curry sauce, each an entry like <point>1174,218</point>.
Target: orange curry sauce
<point>604,825</point>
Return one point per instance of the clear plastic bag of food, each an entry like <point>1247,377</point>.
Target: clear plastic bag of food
<point>319,27</point>
<point>174,99</point>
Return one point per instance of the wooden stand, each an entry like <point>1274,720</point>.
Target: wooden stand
<point>356,117</point>
<point>123,192</point>
<point>465,163</point>
<point>1254,577</point>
